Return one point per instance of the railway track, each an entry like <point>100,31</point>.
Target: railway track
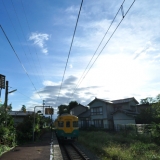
<point>71,152</point>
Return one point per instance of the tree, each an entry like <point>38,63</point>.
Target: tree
<point>62,109</point>
<point>147,100</point>
<point>9,108</point>
<point>7,130</point>
<point>23,108</point>
<point>151,115</point>
<point>66,108</point>
<point>72,104</point>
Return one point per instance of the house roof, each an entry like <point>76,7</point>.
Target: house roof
<point>98,99</point>
<point>125,100</point>
<point>84,114</point>
<point>20,113</point>
<point>127,112</point>
<point>79,105</point>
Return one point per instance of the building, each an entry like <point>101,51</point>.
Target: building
<point>78,110</point>
<point>109,114</point>
<point>19,116</point>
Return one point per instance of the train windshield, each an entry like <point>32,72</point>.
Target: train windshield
<point>75,123</point>
<point>60,124</point>
<point>68,124</point>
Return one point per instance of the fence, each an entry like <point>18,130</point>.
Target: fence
<point>134,128</point>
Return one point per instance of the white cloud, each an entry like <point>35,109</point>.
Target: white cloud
<point>72,9</point>
<point>70,66</point>
<point>39,40</point>
<point>49,83</point>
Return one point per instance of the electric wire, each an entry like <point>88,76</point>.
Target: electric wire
<point>22,93</point>
<point>19,60</point>
<point>30,32</point>
<point>123,16</point>
<point>24,35</point>
<point>81,78</point>
<point>17,35</point>
<point>69,52</point>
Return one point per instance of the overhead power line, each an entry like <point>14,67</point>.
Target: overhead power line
<point>30,32</point>
<point>85,73</point>
<point>19,60</point>
<point>69,51</point>
<point>24,36</point>
<point>29,63</point>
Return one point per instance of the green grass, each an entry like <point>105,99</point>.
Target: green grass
<point>117,146</point>
<point>4,149</point>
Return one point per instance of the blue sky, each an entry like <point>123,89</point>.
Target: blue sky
<point>41,34</point>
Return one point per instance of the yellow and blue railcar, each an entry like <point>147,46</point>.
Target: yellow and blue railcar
<point>66,126</point>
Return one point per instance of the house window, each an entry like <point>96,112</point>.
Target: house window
<point>75,123</point>
<point>96,110</point>
<point>117,108</point>
<point>98,123</point>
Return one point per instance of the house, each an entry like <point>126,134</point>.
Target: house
<point>110,113</point>
<point>85,119</point>
<point>125,111</point>
<point>100,113</point>
<point>78,109</point>
<point>19,116</point>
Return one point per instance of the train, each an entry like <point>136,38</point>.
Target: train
<point>66,127</point>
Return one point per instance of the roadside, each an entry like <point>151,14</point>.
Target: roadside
<point>32,151</point>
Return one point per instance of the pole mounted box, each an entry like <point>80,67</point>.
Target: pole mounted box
<point>2,81</point>
<point>49,111</point>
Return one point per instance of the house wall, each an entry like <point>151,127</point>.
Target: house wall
<point>133,103</point>
<point>110,109</point>
<point>78,110</point>
<point>104,110</point>
<point>106,123</point>
<point>121,118</point>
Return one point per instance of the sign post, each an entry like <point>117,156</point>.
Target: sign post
<point>2,83</point>
<point>49,111</point>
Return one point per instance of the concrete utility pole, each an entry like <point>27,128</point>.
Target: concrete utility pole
<point>6,95</point>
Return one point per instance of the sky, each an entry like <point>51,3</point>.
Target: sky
<point>33,59</point>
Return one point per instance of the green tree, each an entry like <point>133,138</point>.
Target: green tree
<point>7,130</point>
<point>62,109</point>
<point>148,100</point>
<point>23,108</point>
<point>72,104</point>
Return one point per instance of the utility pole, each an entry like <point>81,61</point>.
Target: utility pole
<point>6,96</point>
<point>43,106</point>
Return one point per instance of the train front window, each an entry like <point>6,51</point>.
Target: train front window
<point>60,124</point>
<point>68,124</point>
<point>75,123</point>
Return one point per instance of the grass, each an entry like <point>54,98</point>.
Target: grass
<point>117,146</point>
<point>4,149</point>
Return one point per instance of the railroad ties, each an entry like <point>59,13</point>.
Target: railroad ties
<point>72,152</point>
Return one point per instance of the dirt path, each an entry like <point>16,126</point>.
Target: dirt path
<point>32,151</point>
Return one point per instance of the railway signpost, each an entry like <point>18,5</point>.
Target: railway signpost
<point>2,83</point>
<point>48,110</point>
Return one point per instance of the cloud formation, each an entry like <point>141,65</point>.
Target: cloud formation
<point>39,39</point>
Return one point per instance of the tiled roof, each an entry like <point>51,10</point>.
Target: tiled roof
<point>84,114</point>
<point>127,112</point>
<point>20,113</point>
<point>103,100</point>
<point>124,100</point>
